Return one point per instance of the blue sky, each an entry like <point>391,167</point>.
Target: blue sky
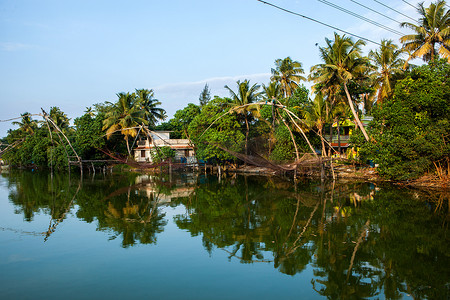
<point>72,54</point>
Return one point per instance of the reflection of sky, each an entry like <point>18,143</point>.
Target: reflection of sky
<point>80,261</point>
<point>77,261</point>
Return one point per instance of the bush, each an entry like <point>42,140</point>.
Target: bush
<point>411,131</point>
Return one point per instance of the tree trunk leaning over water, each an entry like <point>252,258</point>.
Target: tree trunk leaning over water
<point>352,107</point>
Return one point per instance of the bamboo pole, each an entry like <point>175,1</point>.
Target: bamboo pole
<point>53,145</point>
<point>47,117</point>
<point>292,137</point>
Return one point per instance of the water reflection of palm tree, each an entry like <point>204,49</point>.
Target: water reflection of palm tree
<point>137,219</point>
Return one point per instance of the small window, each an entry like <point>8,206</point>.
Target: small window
<point>142,153</point>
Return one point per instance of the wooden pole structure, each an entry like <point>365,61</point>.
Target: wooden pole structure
<point>51,152</point>
<point>47,117</point>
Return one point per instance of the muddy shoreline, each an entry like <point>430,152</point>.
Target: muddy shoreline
<point>352,173</point>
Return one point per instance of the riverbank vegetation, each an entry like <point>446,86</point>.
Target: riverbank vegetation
<point>408,107</point>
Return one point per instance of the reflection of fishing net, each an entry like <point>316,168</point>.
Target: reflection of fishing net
<point>133,163</point>
<point>308,160</point>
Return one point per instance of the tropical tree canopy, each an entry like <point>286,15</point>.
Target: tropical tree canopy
<point>26,125</point>
<point>59,117</point>
<point>273,90</point>
<point>412,129</point>
<point>149,106</point>
<point>124,116</point>
<point>342,63</point>
<point>225,132</point>
<point>182,118</point>
<point>388,62</point>
<point>287,72</point>
<point>431,30</point>
<point>241,103</point>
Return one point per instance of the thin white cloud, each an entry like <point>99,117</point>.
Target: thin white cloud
<point>8,46</point>
<point>255,78</point>
<point>175,96</point>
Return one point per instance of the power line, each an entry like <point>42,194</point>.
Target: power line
<point>317,21</point>
<point>409,4</point>
<point>377,12</point>
<point>399,12</point>
<point>361,17</point>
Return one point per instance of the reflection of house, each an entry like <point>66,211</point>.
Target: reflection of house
<point>184,152</point>
<point>342,133</point>
<point>178,192</point>
<point>151,189</point>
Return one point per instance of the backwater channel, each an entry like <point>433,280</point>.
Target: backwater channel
<point>193,236</point>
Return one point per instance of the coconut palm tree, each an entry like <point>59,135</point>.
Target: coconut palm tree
<point>149,106</point>
<point>27,125</point>
<point>272,90</point>
<point>89,111</point>
<point>288,73</point>
<point>124,115</point>
<point>60,118</point>
<point>241,103</point>
<point>388,62</point>
<point>343,63</point>
<point>431,30</point>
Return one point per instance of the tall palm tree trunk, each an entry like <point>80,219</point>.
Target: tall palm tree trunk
<point>128,145</point>
<point>358,121</point>
<point>246,135</point>
<point>324,151</point>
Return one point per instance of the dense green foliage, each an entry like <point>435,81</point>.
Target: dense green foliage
<point>179,124</point>
<point>162,153</point>
<point>89,136</point>
<point>38,146</point>
<point>225,133</point>
<point>411,131</point>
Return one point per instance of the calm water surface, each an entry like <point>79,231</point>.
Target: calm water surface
<point>197,237</point>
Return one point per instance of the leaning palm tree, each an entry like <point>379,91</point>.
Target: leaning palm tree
<point>124,116</point>
<point>328,84</point>
<point>431,30</point>
<point>388,62</point>
<point>343,63</point>
<point>149,106</point>
<point>241,103</point>
<point>288,73</point>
